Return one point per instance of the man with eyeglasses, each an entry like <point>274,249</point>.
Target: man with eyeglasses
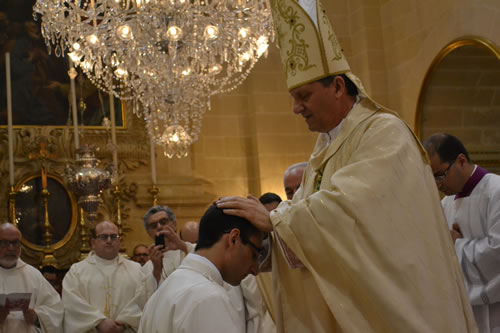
<point>140,254</point>
<point>45,311</point>
<point>104,292</point>
<point>472,210</point>
<point>164,259</point>
<point>193,298</point>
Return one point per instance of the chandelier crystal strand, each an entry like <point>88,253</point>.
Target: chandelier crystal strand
<point>167,56</point>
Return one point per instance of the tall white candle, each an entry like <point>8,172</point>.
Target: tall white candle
<point>9,119</point>
<point>153,160</point>
<point>72,74</point>
<point>113,131</point>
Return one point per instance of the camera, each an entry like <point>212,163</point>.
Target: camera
<point>160,240</point>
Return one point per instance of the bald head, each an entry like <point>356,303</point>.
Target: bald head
<point>8,227</point>
<point>293,178</point>
<point>189,231</point>
<point>10,245</point>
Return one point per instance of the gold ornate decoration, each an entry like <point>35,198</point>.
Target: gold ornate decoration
<point>12,206</point>
<point>117,200</point>
<point>133,152</point>
<point>84,236</point>
<point>154,191</point>
<point>21,187</point>
<point>48,251</point>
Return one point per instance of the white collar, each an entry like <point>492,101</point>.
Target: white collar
<point>213,273</point>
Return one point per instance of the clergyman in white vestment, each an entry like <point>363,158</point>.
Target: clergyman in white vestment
<point>104,291</point>
<point>193,297</point>
<point>45,310</point>
<point>161,220</point>
<point>472,210</point>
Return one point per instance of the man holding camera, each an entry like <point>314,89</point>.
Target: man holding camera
<point>160,223</point>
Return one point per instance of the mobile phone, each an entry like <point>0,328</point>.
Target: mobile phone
<point>160,240</point>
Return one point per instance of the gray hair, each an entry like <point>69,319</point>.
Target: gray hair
<point>156,209</point>
<point>293,167</point>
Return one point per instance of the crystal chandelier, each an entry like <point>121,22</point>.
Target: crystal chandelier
<point>167,56</point>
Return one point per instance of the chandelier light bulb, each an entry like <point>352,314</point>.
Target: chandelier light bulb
<point>76,46</point>
<point>211,32</point>
<point>215,69</point>
<point>124,32</point>
<point>86,65</point>
<point>244,58</point>
<point>243,33</point>
<point>174,32</point>
<point>120,72</point>
<point>92,39</point>
<point>186,72</point>
<point>75,56</point>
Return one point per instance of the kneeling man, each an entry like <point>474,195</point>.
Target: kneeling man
<point>193,298</point>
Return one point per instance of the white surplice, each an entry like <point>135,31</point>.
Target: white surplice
<point>192,299</point>
<point>45,300</point>
<point>478,252</point>
<point>95,289</point>
<point>171,260</point>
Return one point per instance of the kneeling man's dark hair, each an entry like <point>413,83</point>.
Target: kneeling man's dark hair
<point>215,223</point>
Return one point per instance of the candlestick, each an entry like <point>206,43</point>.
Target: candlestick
<point>113,131</point>
<point>154,191</point>
<point>153,160</point>
<point>44,178</point>
<point>12,206</point>
<point>9,119</point>
<point>72,75</point>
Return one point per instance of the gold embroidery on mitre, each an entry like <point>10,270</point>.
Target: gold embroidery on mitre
<point>337,49</point>
<point>296,47</point>
<point>309,51</point>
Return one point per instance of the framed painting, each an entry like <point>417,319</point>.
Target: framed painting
<point>30,211</point>
<point>39,79</point>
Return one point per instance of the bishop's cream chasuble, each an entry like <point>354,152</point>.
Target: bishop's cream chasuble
<point>367,224</point>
